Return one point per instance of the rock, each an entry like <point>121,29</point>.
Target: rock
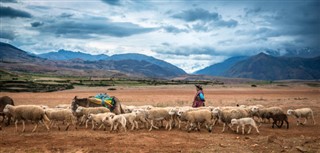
<point>222,145</point>
<point>301,149</point>
<point>247,137</point>
<point>254,145</point>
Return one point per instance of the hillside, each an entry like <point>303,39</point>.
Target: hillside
<point>17,60</point>
<point>266,67</point>
<point>220,68</point>
<point>67,55</point>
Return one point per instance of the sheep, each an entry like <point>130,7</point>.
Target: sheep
<point>5,100</point>
<point>114,120</point>
<point>243,122</point>
<point>84,112</point>
<point>97,119</point>
<point>226,115</point>
<point>131,118</point>
<point>141,116</point>
<point>158,114</point>
<point>181,118</point>
<point>27,112</point>
<point>264,113</point>
<point>302,113</point>
<point>279,117</point>
<point>198,116</point>
<point>63,115</point>
<point>129,109</point>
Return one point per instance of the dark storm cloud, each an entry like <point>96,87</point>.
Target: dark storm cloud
<point>8,1</point>
<point>198,14</point>
<point>36,24</point>
<point>112,2</point>
<point>93,26</point>
<point>173,29</point>
<point>10,35</point>
<point>206,20</point>
<point>13,13</point>
<point>65,15</point>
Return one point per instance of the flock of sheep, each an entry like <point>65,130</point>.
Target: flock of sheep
<point>150,117</point>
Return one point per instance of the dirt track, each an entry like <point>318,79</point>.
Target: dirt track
<point>297,138</point>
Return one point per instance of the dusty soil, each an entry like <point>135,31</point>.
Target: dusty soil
<point>296,139</point>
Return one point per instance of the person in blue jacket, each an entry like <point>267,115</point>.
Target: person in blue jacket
<point>199,97</point>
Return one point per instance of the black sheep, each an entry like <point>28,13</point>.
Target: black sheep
<point>279,118</point>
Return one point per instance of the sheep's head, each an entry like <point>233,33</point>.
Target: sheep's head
<point>111,116</point>
<point>290,112</point>
<point>179,113</point>
<point>79,109</point>
<point>90,116</point>
<point>216,110</point>
<point>6,109</point>
<point>173,111</point>
<point>234,121</point>
<point>255,109</point>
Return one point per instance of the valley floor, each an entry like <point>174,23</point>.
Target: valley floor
<point>295,139</point>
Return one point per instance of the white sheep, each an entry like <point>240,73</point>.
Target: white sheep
<point>131,118</point>
<point>97,119</point>
<point>159,114</point>
<point>226,115</point>
<point>302,113</point>
<point>85,111</point>
<point>196,117</point>
<point>180,118</point>
<point>141,116</point>
<point>243,122</point>
<point>27,112</point>
<point>115,120</point>
<point>64,115</point>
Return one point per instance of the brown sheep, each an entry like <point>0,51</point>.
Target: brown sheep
<point>3,102</point>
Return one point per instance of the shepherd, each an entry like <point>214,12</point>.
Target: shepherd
<point>199,97</point>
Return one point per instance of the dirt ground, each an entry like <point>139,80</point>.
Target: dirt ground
<point>296,139</point>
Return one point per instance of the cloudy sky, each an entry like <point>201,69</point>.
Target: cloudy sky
<point>189,34</point>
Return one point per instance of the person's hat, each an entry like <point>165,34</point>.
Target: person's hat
<point>199,86</point>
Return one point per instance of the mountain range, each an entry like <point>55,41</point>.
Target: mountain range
<point>262,66</point>
<point>14,59</point>
<point>266,67</point>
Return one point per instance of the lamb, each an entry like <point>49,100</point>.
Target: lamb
<point>198,116</point>
<point>97,119</point>
<point>226,115</point>
<point>279,117</point>
<point>84,112</point>
<point>27,112</point>
<point>243,122</point>
<point>114,120</point>
<point>302,113</point>
<point>63,115</point>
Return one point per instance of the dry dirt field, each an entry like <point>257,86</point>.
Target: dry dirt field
<point>296,139</point>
